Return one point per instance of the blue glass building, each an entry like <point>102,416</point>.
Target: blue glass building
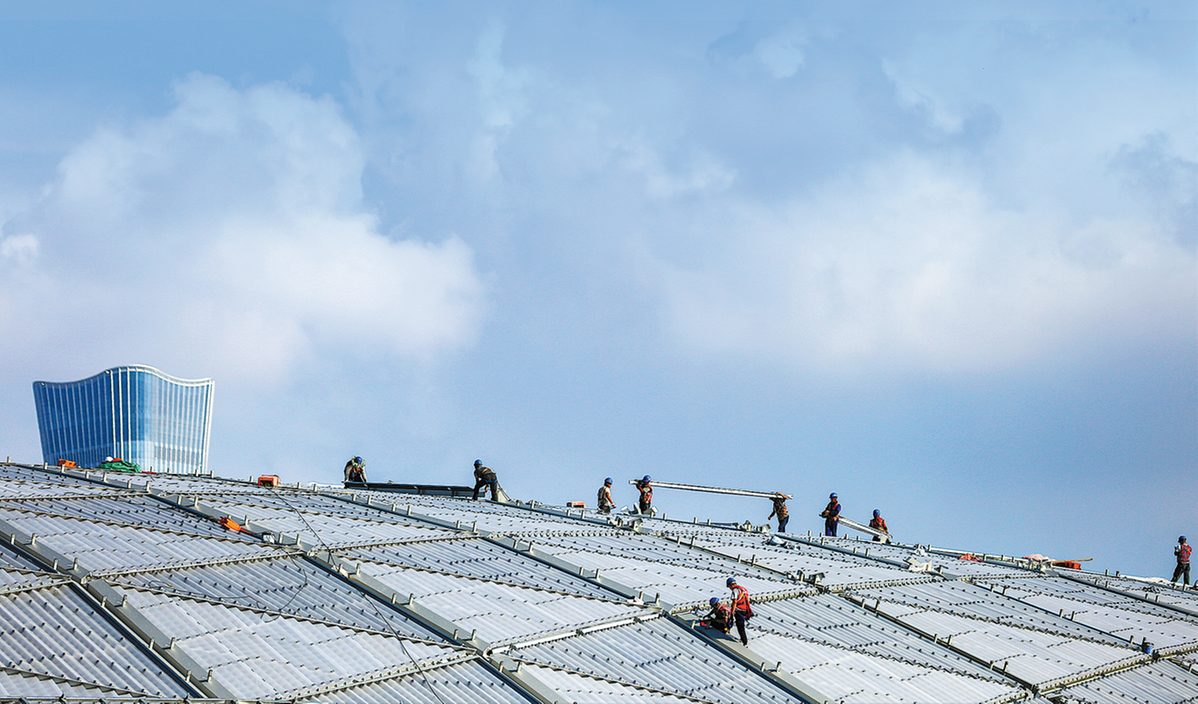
<point>136,413</point>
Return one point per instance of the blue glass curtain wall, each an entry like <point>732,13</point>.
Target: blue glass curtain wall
<point>136,413</point>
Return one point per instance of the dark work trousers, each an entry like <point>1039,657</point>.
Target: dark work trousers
<point>492,483</point>
<point>782,521</point>
<point>1183,570</point>
<point>740,627</point>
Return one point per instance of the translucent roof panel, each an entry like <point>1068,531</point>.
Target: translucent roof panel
<point>500,613</point>
<point>11,558</point>
<point>1126,617</point>
<point>475,557</point>
<point>330,530</point>
<point>838,569</point>
<point>287,585</point>
<point>1040,657</point>
<point>656,566</point>
<point>830,620</point>
<point>974,601</point>
<point>1185,599</point>
<point>920,558</point>
<point>489,516</point>
<point>55,633</point>
<point>124,508</point>
<point>659,655</point>
<point>17,579</point>
<point>584,689</point>
<point>104,547</point>
<point>259,655</point>
<point>849,677</point>
<point>468,681</point>
<point>15,684</point>
<point>1157,682</point>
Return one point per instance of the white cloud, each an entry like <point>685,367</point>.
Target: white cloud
<point>229,235</point>
<point>911,265</point>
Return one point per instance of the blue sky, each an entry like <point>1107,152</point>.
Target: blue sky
<point>938,258</point>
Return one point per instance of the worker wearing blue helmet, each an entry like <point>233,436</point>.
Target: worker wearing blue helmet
<point>645,501</point>
<point>485,477</point>
<point>355,470</point>
<point>605,502</point>
<point>719,618</point>
<point>831,515</point>
<point>1182,552</point>
<point>742,611</point>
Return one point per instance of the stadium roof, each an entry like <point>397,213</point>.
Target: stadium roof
<point>118,587</point>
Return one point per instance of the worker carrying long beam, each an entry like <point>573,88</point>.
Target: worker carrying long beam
<point>831,515</point>
<point>644,502</point>
<point>879,524</point>
<point>780,511</point>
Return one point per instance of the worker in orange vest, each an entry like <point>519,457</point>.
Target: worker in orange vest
<point>878,523</point>
<point>741,610</point>
<point>1182,553</point>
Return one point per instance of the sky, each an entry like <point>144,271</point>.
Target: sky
<point>940,258</point>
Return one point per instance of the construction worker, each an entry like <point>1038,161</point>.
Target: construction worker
<point>605,502</point>
<point>719,618</point>
<point>485,477</point>
<point>1182,552</point>
<point>355,470</point>
<point>831,515</point>
<point>741,610</point>
<point>878,523</point>
<point>780,511</point>
<point>645,502</point>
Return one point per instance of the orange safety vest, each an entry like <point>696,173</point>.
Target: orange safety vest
<point>740,600</point>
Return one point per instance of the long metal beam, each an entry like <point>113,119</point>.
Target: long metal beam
<point>714,489</point>
<point>861,528</point>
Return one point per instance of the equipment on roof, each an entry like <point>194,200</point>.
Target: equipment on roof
<point>270,480</point>
<point>714,489</point>
<point>861,528</point>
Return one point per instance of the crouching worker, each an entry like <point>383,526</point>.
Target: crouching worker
<point>719,618</point>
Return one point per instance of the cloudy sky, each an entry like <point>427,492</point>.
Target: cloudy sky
<point>937,257</point>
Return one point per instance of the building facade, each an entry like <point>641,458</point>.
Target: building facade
<point>136,413</point>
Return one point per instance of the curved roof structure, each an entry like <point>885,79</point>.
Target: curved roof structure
<point>172,588</point>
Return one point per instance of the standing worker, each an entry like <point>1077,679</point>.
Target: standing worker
<point>485,477</point>
<point>831,515</point>
<point>1182,553</point>
<point>355,470</point>
<point>720,616</point>
<point>741,610</point>
<point>645,502</point>
<point>878,523</point>
<point>780,511</point>
<point>605,502</point>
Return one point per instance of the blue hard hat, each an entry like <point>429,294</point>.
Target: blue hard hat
<point>646,478</point>
<point>731,581</point>
<point>1181,539</point>
<point>714,600</point>
<point>832,495</point>
<point>357,459</point>
<point>477,462</point>
<point>607,480</point>
<point>877,513</point>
